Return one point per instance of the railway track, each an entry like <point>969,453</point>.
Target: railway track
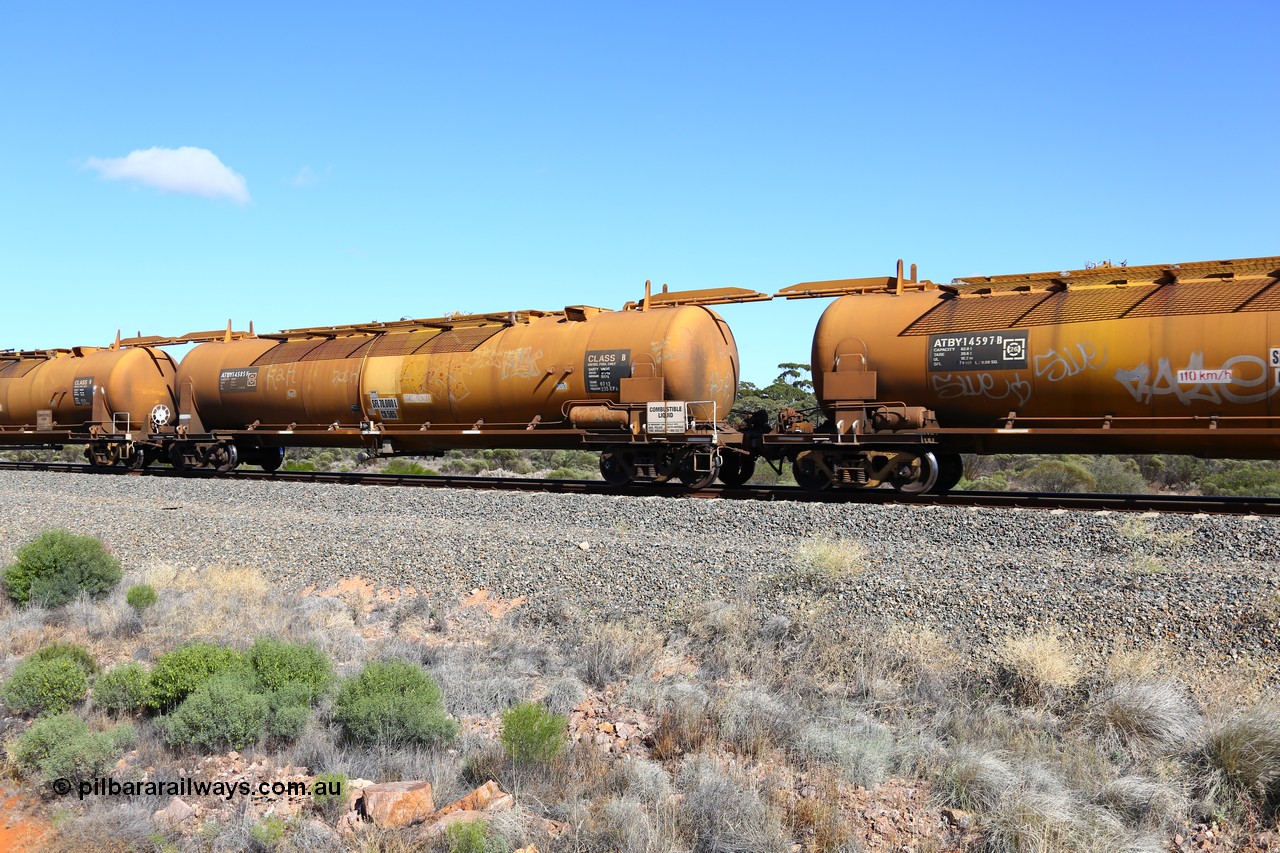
<point>1189,504</point>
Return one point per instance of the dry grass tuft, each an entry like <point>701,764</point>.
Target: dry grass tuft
<point>222,605</point>
<point>1242,757</point>
<point>754,721</point>
<point>613,651</point>
<point>1143,803</point>
<point>860,752</point>
<point>1145,718</point>
<point>723,811</point>
<point>685,721</point>
<point>1038,666</point>
<point>974,780</point>
<point>827,562</point>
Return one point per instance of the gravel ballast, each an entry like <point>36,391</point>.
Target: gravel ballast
<point>1210,589</point>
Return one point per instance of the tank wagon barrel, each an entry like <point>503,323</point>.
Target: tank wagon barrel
<point>1181,358</point>
<point>650,386</point>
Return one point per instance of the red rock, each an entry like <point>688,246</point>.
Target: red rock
<point>476,801</point>
<point>399,803</point>
<point>175,813</point>
<point>439,825</point>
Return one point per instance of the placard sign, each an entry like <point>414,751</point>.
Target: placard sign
<point>665,418</point>
<point>605,370</point>
<point>1005,350</point>
<point>238,380</point>
<point>82,391</point>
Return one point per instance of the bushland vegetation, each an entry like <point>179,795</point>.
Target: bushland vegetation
<point>725,725</point>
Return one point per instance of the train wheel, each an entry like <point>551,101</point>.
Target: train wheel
<point>693,478</point>
<point>96,459</point>
<point>736,469</point>
<point>809,475</point>
<point>271,459</point>
<point>137,458</point>
<point>950,472</point>
<point>614,469</point>
<point>912,474</point>
<point>223,456</point>
<point>176,457</point>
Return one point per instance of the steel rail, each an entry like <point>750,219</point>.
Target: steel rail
<point>1221,505</point>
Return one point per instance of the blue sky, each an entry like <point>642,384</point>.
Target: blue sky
<point>350,163</point>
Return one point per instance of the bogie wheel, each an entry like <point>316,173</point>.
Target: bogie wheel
<point>137,458</point>
<point>271,458</point>
<point>692,477</point>
<point>98,459</point>
<point>912,474</point>
<point>176,457</point>
<point>614,468</point>
<point>950,472</point>
<point>809,475</point>
<point>736,469</point>
<point>223,456</point>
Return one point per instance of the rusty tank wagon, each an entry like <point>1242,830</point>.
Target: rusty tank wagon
<point>909,375</point>
<point>113,396</point>
<point>649,386</point>
<point>1180,358</point>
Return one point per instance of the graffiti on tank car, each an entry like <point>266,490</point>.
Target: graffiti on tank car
<point>949,386</point>
<point>347,376</point>
<point>520,363</point>
<point>281,376</point>
<point>1194,383</point>
<point>663,350</point>
<point>1054,365</point>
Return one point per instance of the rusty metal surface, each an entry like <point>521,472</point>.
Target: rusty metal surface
<point>1188,343</point>
<point>129,381</point>
<point>494,368</point>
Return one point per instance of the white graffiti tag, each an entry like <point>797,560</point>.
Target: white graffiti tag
<point>952,385</point>
<point>1144,387</point>
<point>1054,366</point>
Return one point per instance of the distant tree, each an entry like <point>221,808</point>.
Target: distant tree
<point>793,389</point>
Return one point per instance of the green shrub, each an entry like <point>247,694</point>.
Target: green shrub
<point>1056,475</point>
<point>122,689</point>
<point>279,664</point>
<point>299,465</point>
<point>469,837</point>
<point>178,673</point>
<point>269,833</point>
<point>290,708</point>
<point>225,712</point>
<point>45,686</point>
<point>531,734</point>
<point>63,747</point>
<point>392,702</point>
<point>141,596</point>
<point>330,794</point>
<point>57,566</point>
<point>404,466</point>
<point>69,651</point>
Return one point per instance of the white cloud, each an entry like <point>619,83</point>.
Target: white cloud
<point>309,177</point>
<point>193,171</point>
